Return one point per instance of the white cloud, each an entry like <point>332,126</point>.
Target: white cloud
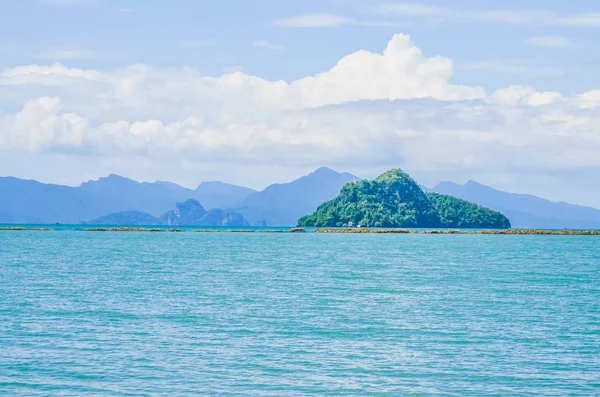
<point>370,111</point>
<point>589,100</point>
<point>65,53</point>
<point>267,44</point>
<point>434,139</point>
<point>513,66</point>
<point>38,126</point>
<point>538,18</point>
<point>520,95</point>
<point>55,74</point>
<point>516,17</point>
<point>400,72</point>
<point>319,20</point>
<point>549,41</point>
<point>382,23</point>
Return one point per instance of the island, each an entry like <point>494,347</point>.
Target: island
<point>394,199</point>
<point>187,213</point>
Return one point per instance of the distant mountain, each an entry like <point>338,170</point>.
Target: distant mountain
<point>122,194</point>
<point>188,213</point>
<point>220,195</point>
<point>523,210</point>
<point>191,213</point>
<point>219,217</point>
<point>128,218</point>
<point>394,199</point>
<point>283,204</point>
<point>25,201</point>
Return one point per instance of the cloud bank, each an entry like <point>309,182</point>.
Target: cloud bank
<point>368,112</point>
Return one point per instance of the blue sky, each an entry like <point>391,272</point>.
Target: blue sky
<point>189,91</point>
<point>216,37</point>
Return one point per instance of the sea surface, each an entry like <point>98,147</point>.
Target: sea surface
<point>274,314</point>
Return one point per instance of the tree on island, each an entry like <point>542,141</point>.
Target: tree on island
<point>394,199</point>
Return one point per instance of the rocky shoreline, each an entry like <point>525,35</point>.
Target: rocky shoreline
<point>332,230</point>
<point>480,232</point>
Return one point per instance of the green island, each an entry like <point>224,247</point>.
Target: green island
<point>395,200</point>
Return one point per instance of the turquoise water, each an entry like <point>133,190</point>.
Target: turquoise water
<point>260,314</point>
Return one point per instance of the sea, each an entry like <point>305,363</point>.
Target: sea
<point>297,314</point>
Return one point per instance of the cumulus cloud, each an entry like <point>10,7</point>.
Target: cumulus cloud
<point>520,95</point>
<point>55,74</point>
<point>320,20</point>
<point>590,99</point>
<point>516,17</point>
<point>427,137</point>
<point>399,72</point>
<point>39,126</point>
<point>541,18</point>
<point>513,66</point>
<point>369,112</point>
<point>549,41</point>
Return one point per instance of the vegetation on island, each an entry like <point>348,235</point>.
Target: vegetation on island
<point>514,232</point>
<point>455,212</point>
<point>394,199</point>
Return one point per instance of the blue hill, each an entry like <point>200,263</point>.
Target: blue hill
<point>26,201</point>
<point>283,204</point>
<point>187,213</point>
<point>525,211</point>
<point>126,218</point>
<point>220,195</point>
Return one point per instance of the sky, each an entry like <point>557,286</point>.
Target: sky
<point>253,93</point>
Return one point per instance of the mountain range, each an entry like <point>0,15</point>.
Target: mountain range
<point>115,197</point>
<point>27,201</point>
<point>283,204</point>
<point>187,213</point>
<point>525,211</point>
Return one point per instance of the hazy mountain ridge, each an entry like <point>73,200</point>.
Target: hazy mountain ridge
<point>28,201</point>
<point>284,203</point>
<point>24,201</point>
<point>187,213</point>
<point>216,194</point>
<point>129,218</point>
<point>524,210</point>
